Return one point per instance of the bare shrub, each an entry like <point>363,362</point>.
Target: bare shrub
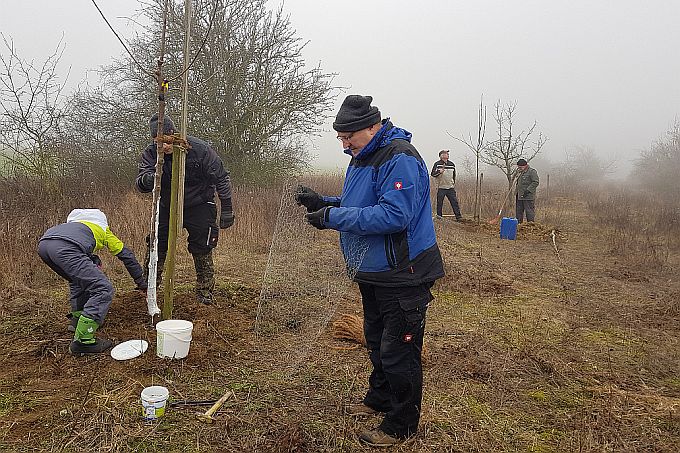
<point>641,227</point>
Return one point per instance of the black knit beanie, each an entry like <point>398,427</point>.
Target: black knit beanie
<point>355,114</point>
<point>168,125</point>
<point>521,162</point>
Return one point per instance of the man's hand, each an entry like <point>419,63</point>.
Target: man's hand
<point>526,195</point>
<point>319,218</point>
<point>226,219</point>
<point>304,196</point>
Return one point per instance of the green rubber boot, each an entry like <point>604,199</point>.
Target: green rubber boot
<point>84,341</point>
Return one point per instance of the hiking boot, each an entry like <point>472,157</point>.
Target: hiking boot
<point>205,277</point>
<point>205,297</point>
<point>377,438</point>
<point>459,219</point>
<point>79,349</point>
<point>360,409</point>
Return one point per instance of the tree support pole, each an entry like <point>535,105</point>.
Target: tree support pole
<point>151,300</point>
<point>177,181</point>
<point>169,287</point>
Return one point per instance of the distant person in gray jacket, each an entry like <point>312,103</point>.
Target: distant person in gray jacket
<point>69,249</point>
<point>444,174</point>
<point>527,182</point>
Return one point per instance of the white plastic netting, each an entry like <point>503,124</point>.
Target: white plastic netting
<point>305,281</point>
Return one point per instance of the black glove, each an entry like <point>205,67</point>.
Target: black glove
<point>141,284</point>
<point>97,261</point>
<point>304,196</point>
<point>226,213</point>
<point>319,218</point>
<point>226,219</point>
<point>526,195</point>
<point>147,180</point>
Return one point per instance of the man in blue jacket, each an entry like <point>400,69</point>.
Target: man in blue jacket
<point>386,202</point>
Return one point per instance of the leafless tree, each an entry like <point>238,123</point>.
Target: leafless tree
<point>510,145</point>
<point>30,112</point>
<point>657,169</point>
<point>251,93</point>
<point>476,146</point>
<point>583,166</point>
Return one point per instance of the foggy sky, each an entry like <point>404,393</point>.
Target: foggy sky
<point>600,74</point>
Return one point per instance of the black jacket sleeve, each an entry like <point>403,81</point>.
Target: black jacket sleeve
<point>133,267</point>
<point>433,173</point>
<point>218,174</point>
<point>147,166</point>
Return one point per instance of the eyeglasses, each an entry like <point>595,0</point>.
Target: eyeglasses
<point>345,138</point>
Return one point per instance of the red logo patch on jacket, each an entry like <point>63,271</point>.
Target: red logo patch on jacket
<point>408,338</point>
<point>398,185</point>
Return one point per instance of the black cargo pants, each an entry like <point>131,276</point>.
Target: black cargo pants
<point>200,221</point>
<point>394,324</point>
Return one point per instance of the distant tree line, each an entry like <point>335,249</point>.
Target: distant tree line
<point>250,94</point>
<point>657,169</point>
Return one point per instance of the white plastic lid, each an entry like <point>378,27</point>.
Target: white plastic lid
<point>129,349</point>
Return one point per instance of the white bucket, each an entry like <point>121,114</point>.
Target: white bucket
<point>173,337</point>
<point>153,401</point>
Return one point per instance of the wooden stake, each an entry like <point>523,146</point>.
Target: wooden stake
<point>160,160</point>
<point>176,220</point>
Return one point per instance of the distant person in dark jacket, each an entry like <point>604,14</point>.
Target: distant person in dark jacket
<point>69,249</point>
<point>385,203</point>
<point>527,182</point>
<point>444,174</point>
<point>205,174</point>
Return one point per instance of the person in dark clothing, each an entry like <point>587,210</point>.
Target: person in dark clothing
<point>525,198</point>
<point>69,249</point>
<point>204,175</point>
<point>444,174</point>
<point>385,203</point>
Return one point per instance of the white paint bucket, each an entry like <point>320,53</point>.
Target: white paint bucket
<point>173,338</point>
<point>153,401</point>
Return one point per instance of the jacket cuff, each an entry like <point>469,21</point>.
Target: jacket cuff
<point>225,205</point>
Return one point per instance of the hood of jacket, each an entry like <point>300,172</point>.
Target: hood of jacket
<point>88,215</point>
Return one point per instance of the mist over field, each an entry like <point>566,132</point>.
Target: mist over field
<point>565,338</point>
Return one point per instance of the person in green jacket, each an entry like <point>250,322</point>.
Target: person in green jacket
<point>69,249</point>
<point>527,182</point>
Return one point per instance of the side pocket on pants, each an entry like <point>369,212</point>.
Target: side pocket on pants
<point>213,236</point>
<point>414,321</point>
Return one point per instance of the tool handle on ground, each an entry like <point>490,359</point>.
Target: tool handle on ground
<point>193,403</point>
<point>218,404</point>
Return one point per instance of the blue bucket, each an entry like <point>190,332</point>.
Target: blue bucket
<point>509,228</point>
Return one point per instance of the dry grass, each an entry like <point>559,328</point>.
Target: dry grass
<point>528,351</point>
